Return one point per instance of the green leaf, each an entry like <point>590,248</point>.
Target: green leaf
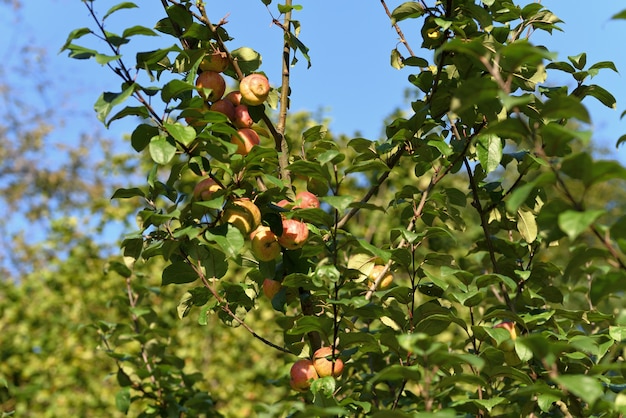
<point>215,264</point>
<point>178,273</point>
<point>138,30</point>
<point>396,59</point>
<point>620,15</point>
<point>340,203</point>
<point>618,333</point>
<point>75,34</point>
<point>141,136</point>
<point>248,59</point>
<point>181,133</point>
<point>162,150</point>
<point>128,193</point>
<point>586,388</point>
<point>597,92</point>
<point>578,61</point>
<point>574,223</point>
<point>120,6</point>
<point>489,151</point>
<point>565,107</point>
<point>174,88</point>
<point>107,101</point>
<point>407,10</point>
<point>139,111</point>
<point>122,400</point>
<point>228,238</point>
<point>527,225</point>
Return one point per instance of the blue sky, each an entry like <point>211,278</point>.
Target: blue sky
<point>350,79</point>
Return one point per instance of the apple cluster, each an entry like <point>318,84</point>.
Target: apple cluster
<point>245,215</point>
<point>253,91</point>
<point>305,371</point>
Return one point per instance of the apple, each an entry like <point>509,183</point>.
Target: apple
<point>254,89</point>
<point>301,374</point>
<point>205,189</point>
<point>245,139</point>
<point>211,80</point>
<point>306,200</point>
<point>241,117</point>
<point>224,107</point>
<point>271,288</point>
<point>295,234</point>
<point>323,363</point>
<point>508,345</point>
<point>234,97</point>
<point>214,61</point>
<point>243,214</point>
<point>375,272</point>
<point>264,244</point>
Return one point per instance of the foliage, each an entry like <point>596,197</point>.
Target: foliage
<point>484,201</point>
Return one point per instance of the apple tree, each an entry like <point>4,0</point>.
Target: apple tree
<point>465,263</point>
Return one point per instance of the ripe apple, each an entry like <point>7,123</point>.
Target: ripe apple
<point>243,214</point>
<point>306,200</point>
<point>245,139</point>
<point>271,288</point>
<point>211,80</point>
<point>295,234</point>
<point>254,89</point>
<point>323,363</point>
<point>234,97</point>
<point>375,272</point>
<point>214,61</point>
<point>264,244</point>
<point>301,374</point>
<point>242,118</point>
<point>205,188</point>
<point>225,107</point>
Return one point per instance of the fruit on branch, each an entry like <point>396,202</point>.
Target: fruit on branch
<point>254,89</point>
<point>205,189</point>
<point>271,288</point>
<point>224,107</point>
<point>323,363</point>
<point>245,139</point>
<point>264,244</point>
<point>306,200</point>
<point>509,344</point>
<point>295,233</point>
<point>234,97</point>
<point>214,61</point>
<point>243,214</point>
<point>301,374</point>
<point>375,272</point>
<point>242,118</point>
<point>213,81</point>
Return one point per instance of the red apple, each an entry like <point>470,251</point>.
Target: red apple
<point>224,107</point>
<point>254,89</point>
<point>295,233</point>
<point>323,363</point>
<point>214,61</point>
<point>264,244</point>
<point>205,189</point>
<point>242,118</point>
<point>301,374</point>
<point>271,288</point>
<point>306,200</point>
<point>375,272</point>
<point>234,97</point>
<point>245,139</point>
<point>211,80</point>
